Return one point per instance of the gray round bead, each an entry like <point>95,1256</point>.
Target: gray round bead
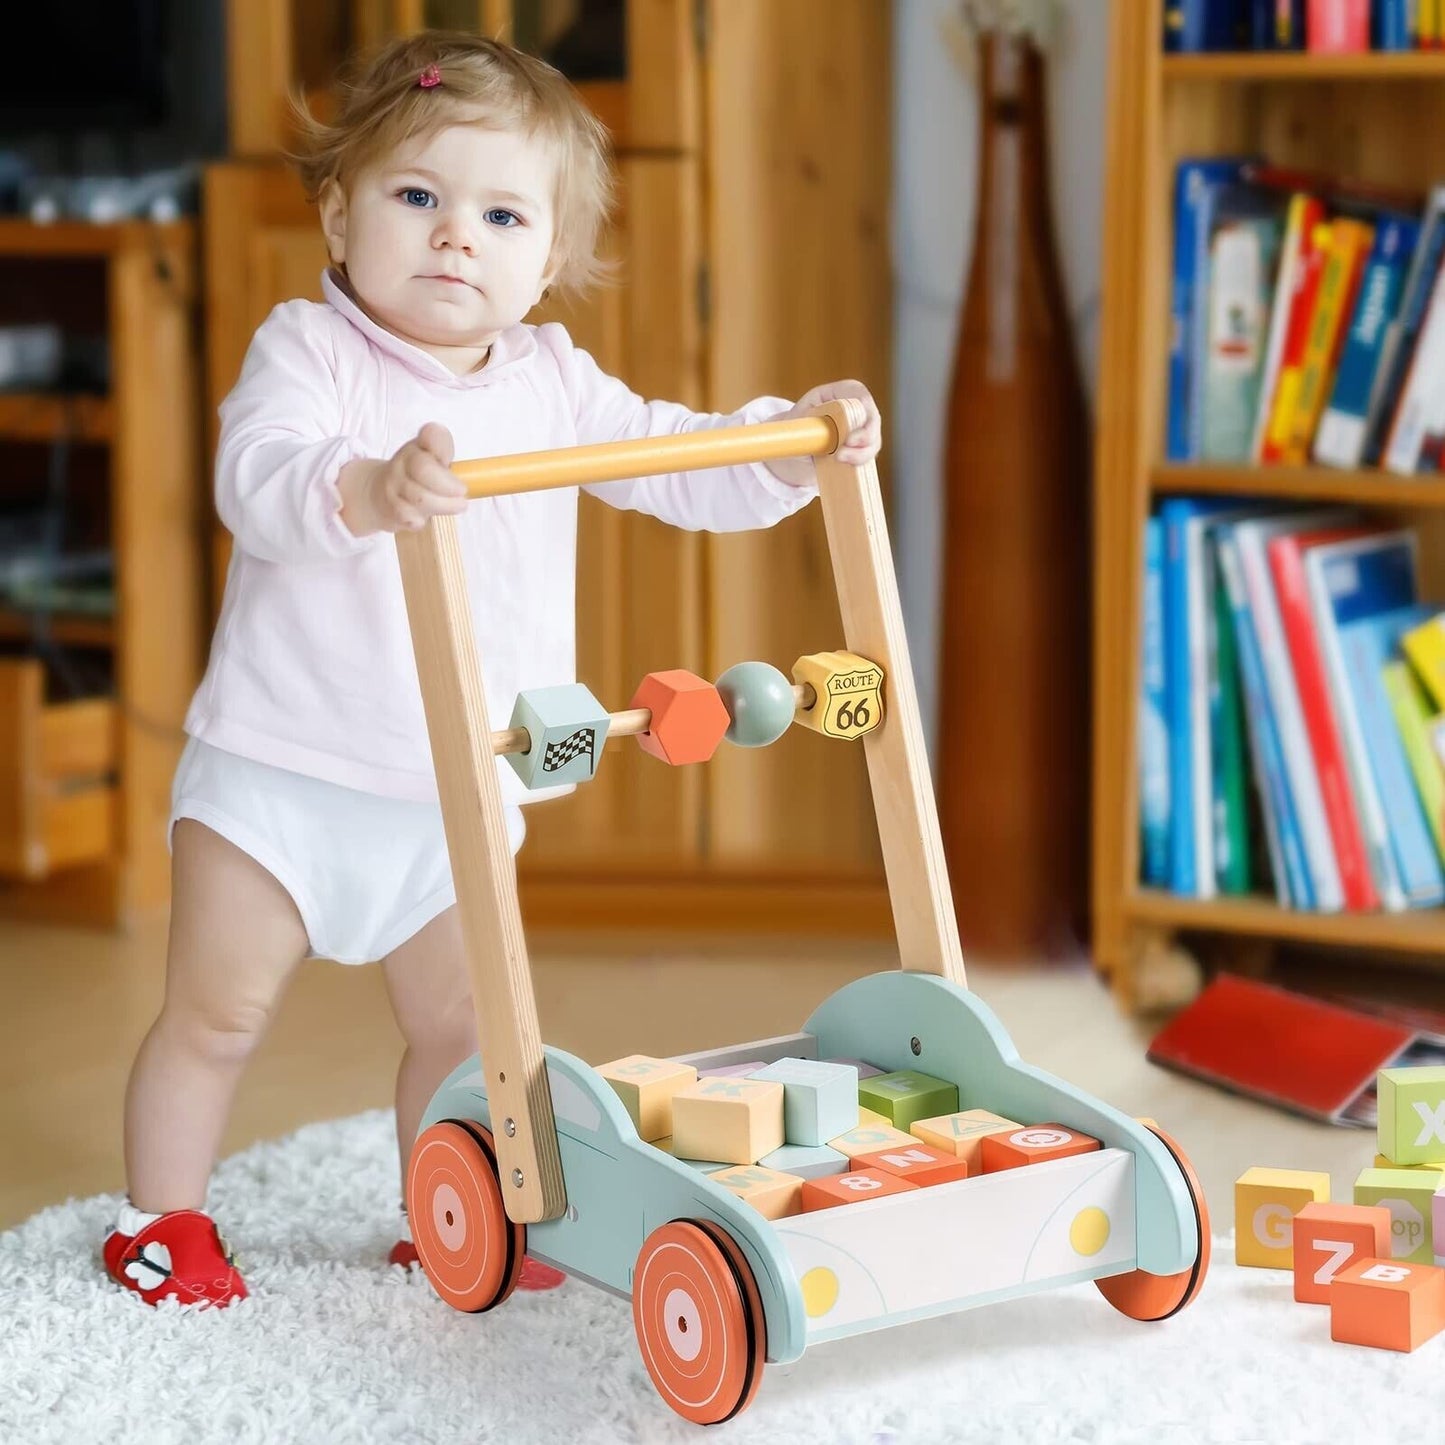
<point>760,702</point>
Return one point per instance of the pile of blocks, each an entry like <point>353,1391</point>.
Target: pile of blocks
<point>1378,1263</point>
<point>805,1134</point>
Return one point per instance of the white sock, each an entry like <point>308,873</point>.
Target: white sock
<point>131,1220</point>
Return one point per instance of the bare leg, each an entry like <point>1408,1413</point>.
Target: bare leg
<point>426,979</point>
<point>235,940</point>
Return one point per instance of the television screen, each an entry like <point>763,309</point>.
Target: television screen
<point>84,64</point>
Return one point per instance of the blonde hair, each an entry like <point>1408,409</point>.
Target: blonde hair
<point>385,106</point>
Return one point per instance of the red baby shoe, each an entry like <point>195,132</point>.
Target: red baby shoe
<point>180,1256</point>
<point>535,1275</point>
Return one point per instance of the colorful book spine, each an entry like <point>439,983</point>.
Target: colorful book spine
<point>1340,440</point>
<point>1392,25</point>
<point>1182,866</point>
<point>1400,338</point>
<point>1305,212</point>
<point>1301,314</point>
<point>1281,827</point>
<point>1430,31</point>
<point>1367,645</point>
<point>1350,242</point>
<point>1287,566</point>
<point>1277,24</point>
<point>1412,718</point>
<point>1201,25</point>
<point>1417,406</point>
<point>1338,27</point>
<point>1153,722</point>
<point>1196,183</point>
<point>1424,646</point>
<point>1226,740</point>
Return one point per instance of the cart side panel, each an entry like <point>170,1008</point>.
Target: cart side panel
<point>954,1246</point>
<point>960,1039</point>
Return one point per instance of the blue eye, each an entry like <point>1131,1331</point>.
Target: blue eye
<point>498,216</point>
<point>422,200</point>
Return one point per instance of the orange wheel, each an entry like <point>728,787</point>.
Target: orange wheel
<point>699,1321</point>
<point>471,1252</point>
<point>1149,1297</point>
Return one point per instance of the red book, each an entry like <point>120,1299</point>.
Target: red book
<point>1286,563</point>
<point>1311,264</point>
<point>1338,27</point>
<point>1313,1058</point>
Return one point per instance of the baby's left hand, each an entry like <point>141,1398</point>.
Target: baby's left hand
<point>861,444</point>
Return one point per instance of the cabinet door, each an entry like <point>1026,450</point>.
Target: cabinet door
<point>639,583</point>
<point>798,178</point>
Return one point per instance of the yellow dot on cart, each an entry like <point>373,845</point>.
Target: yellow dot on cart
<point>820,1291</point>
<point>1089,1232</point>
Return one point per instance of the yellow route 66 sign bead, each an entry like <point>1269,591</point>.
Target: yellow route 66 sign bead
<point>848,690</point>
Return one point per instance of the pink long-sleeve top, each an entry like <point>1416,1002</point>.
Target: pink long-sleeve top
<point>311,666</point>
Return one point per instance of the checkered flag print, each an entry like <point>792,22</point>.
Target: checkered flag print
<point>559,754</point>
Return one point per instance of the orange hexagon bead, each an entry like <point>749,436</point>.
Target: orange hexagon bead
<point>688,717</point>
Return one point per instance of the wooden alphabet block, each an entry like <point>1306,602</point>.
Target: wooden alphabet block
<point>1412,1114</point>
<point>731,1071</point>
<point>918,1163</point>
<point>1327,1237</point>
<point>1409,1196</point>
<point>851,1188</point>
<point>646,1087</point>
<point>1383,1161</point>
<point>1033,1144</point>
<point>868,1139</point>
<point>1437,1233</point>
<point>870,1119</point>
<point>1386,1304</point>
<point>1265,1204</point>
<point>907,1096</point>
<point>774,1194</point>
<point>735,1120</point>
<point>962,1134</point>
<point>806,1161</point>
<point>820,1100</point>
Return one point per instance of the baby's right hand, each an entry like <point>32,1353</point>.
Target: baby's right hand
<point>402,492</point>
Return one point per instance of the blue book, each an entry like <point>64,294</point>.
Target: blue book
<point>1277,25</point>
<point>1340,439</point>
<point>1186,684</point>
<point>1196,183</point>
<point>1153,721</point>
<point>1390,25</point>
<point>1196,25</point>
<point>1281,826</point>
<point>1399,344</point>
<point>1368,644</point>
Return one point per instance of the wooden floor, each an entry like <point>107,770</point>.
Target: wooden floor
<point>80,1003</point>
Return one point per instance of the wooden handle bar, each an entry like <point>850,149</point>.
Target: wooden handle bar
<point>624,724</point>
<point>731,446</point>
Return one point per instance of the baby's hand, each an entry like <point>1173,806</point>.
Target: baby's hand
<point>860,446</point>
<point>400,493</point>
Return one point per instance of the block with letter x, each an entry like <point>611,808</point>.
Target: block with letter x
<point>1412,1114</point>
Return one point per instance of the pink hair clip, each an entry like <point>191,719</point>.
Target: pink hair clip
<point>429,77</point>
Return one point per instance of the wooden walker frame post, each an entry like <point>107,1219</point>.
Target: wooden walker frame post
<point>463,749</point>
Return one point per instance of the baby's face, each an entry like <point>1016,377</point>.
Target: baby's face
<point>446,241</point>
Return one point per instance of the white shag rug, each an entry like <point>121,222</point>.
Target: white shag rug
<point>334,1346</point>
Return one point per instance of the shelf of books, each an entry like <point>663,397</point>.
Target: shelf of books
<point>1271,514</point>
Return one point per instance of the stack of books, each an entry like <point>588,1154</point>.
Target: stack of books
<point>1292,713</point>
<point>1338,27</point>
<point>1307,321</point>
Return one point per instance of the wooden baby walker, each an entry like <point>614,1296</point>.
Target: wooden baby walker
<point>529,1150</point>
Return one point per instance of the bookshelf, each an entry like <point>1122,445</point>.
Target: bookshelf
<point>1378,117</point>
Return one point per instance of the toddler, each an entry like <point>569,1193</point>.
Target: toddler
<point>460,180</point>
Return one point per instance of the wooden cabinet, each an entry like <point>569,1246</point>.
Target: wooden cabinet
<point>752,145</point>
<point>91,702</point>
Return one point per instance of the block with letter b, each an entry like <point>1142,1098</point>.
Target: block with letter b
<point>1327,1237</point>
<point>1265,1204</point>
<point>1412,1114</point>
<point>1389,1305</point>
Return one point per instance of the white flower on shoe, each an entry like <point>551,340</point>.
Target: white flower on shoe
<point>150,1266</point>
